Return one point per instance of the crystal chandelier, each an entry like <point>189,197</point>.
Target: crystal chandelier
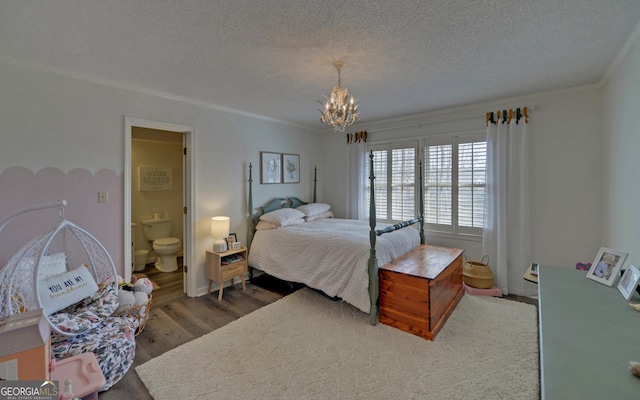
<point>337,111</point>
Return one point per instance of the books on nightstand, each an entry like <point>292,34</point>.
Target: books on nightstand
<point>233,258</point>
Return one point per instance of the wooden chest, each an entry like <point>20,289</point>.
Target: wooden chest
<point>419,290</point>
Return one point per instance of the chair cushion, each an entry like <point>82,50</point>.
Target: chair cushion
<point>86,314</point>
<point>113,343</point>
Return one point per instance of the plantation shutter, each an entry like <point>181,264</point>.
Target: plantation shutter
<point>472,161</point>
<point>403,182</point>
<point>394,166</point>
<point>438,184</point>
<point>455,180</point>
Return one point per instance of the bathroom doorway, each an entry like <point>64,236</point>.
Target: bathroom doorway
<point>160,149</point>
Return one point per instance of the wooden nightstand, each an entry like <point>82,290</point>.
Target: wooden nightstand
<point>221,267</point>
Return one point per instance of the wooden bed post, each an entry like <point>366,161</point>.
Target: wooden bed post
<point>374,284</point>
<point>421,194</point>
<point>250,227</point>
<point>315,179</point>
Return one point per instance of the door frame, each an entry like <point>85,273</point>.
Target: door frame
<point>188,195</point>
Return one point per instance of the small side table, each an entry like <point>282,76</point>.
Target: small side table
<point>221,267</point>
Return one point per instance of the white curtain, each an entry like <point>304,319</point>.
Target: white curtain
<point>356,174</point>
<point>506,237</point>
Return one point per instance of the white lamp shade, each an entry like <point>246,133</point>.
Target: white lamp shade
<point>219,231</point>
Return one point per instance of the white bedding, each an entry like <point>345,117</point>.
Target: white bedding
<point>328,254</point>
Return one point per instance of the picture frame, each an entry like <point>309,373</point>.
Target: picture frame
<point>629,282</point>
<point>290,168</point>
<point>231,239</point>
<point>270,167</point>
<point>606,266</point>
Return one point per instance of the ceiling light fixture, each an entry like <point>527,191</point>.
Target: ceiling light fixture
<point>337,111</point>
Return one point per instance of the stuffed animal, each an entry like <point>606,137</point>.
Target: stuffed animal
<point>143,285</point>
<point>126,299</point>
<point>141,298</point>
<point>583,266</point>
<point>133,294</point>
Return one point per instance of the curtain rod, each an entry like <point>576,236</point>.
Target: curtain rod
<point>435,121</point>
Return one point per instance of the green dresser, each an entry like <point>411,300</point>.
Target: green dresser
<point>588,335</point>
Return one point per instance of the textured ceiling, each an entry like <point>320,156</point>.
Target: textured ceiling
<point>273,58</point>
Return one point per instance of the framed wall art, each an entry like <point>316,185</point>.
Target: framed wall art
<point>606,266</point>
<point>154,178</point>
<point>290,168</point>
<point>270,167</point>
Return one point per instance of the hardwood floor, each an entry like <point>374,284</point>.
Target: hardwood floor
<point>176,319</point>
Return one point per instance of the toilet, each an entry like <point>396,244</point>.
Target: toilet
<point>158,231</point>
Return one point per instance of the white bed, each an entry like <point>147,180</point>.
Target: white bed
<point>337,256</point>
<point>328,254</point>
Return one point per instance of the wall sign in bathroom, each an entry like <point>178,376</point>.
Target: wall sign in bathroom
<point>155,178</point>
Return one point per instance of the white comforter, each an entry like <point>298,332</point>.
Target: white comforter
<point>328,254</point>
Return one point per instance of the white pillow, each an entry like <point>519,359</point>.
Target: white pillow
<point>326,214</point>
<point>282,216</point>
<point>264,225</point>
<point>296,221</point>
<point>52,265</point>
<point>62,290</point>
<point>313,208</point>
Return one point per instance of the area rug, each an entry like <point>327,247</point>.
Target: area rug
<point>306,346</point>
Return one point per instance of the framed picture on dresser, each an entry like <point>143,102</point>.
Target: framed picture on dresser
<point>606,266</point>
<point>629,281</point>
<point>231,239</point>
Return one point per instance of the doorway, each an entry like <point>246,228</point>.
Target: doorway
<point>185,218</point>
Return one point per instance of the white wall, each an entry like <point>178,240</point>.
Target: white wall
<point>55,121</point>
<point>565,130</point>
<point>621,146</point>
<point>577,172</point>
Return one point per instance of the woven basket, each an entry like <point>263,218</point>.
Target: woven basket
<point>141,313</point>
<point>477,274</point>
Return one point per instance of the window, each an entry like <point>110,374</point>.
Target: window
<point>454,183</point>
<point>394,166</point>
<point>453,177</point>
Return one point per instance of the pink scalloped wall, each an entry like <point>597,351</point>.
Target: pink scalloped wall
<point>21,188</point>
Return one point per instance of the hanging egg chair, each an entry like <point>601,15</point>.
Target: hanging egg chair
<point>67,272</point>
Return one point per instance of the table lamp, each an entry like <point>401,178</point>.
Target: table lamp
<point>219,232</point>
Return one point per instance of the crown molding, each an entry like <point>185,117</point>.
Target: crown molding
<point>628,46</point>
<point>16,62</point>
<point>475,110</point>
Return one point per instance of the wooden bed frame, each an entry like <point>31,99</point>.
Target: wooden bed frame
<point>293,202</point>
